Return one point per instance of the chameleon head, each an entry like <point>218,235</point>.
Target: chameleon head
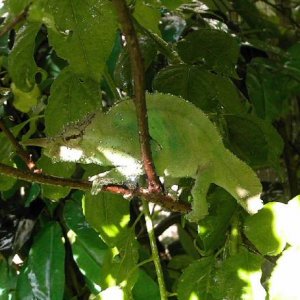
<point>58,148</point>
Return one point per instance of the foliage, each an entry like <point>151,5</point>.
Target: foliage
<point>238,61</point>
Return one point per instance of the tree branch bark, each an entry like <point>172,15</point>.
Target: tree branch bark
<point>138,73</point>
<point>165,201</point>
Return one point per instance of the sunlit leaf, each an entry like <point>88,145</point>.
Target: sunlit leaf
<point>212,230</point>
<point>284,283</point>
<point>108,214</point>
<point>266,228</point>
<point>197,280</point>
<point>87,248</point>
<point>239,278</point>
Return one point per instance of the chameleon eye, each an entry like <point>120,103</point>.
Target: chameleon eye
<point>72,135</point>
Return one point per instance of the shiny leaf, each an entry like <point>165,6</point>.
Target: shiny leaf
<point>46,264</point>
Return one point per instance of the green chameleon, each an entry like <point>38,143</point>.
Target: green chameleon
<point>184,144</point>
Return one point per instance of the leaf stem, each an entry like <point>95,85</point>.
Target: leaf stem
<point>155,255</point>
<point>26,157</point>
<point>137,67</point>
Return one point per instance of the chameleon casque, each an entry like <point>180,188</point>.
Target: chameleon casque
<point>184,142</point>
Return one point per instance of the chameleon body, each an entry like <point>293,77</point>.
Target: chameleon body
<point>185,143</point>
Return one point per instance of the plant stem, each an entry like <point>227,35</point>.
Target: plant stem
<point>18,19</point>
<point>138,73</point>
<point>155,255</point>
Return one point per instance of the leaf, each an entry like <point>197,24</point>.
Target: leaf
<point>108,214</point>
<point>263,145</point>
<point>196,280</point>
<point>87,248</point>
<point>142,9</point>
<point>239,278</point>
<point>61,169</point>
<point>72,97</point>
<point>269,103</point>
<point>21,64</point>
<point>17,6</point>
<point>292,226</point>
<point>7,280</point>
<point>205,89</point>
<point>212,229</point>
<point>145,288</point>
<point>266,228</point>
<point>86,34</point>
<point>25,101</point>
<point>284,283</point>
<point>24,289</point>
<point>122,71</point>
<point>216,50</point>
<point>46,263</point>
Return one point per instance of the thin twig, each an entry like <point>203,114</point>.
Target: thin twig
<point>18,19</point>
<point>139,92</point>
<point>26,157</point>
<point>165,201</point>
<point>155,255</point>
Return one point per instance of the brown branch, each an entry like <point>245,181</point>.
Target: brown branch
<point>18,19</point>
<point>165,201</point>
<point>26,157</point>
<point>137,66</point>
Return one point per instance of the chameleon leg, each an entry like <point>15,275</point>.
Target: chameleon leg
<point>109,177</point>
<point>203,180</point>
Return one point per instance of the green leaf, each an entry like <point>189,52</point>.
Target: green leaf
<point>17,6</point>
<point>266,228</point>
<point>239,278</point>
<point>122,71</point>
<point>46,263</point>
<point>196,280</point>
<point>72,97</point>
<point>21,63</point>
<point>292,226</point>
<point>284,281</point>
<point>7,280</point>
<point>205,89</point>
<point>61,169</point>
<point>85,34</point>
<point>212,230</point>
<point>87,248</point>
<point>269,103</point>
<point>216,50</point>
<point>24,289</point>
<point>108,214</point>
<point>151,22</point>
<point>25,101</point>
<point>145,288</point>
<point>254,140</point>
